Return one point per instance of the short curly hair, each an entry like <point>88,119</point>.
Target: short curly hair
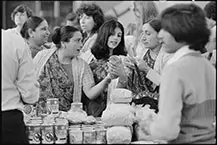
<point>93,10</point>
<point>21,8</point>
<point>210,10</point>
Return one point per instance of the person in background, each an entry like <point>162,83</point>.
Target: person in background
<point>144,11</point>
<point>62,74</point>
<point>210,11</point>
<point>35,32</point>
<point>110,17</point>
<point>19,15</point>
<point>110,41</point>
<point>90,17</point>
<point>187,102</point>
<point>19,87</point>
<point>71,20</point>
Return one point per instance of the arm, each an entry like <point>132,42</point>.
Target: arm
<point>91,90</point>
<point>166,126</point>
<point>26,79</point>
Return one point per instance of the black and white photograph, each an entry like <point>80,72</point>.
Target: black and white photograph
<point>108,72</point>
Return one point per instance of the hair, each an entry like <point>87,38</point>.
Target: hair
<point>71,16</point>
<point>63,34</point>
<point>149,11</point>
<point>93,10</point>
<point>186,23</point>
<point>110,17</point>
<point>21,8</point>
<point>100,49</point>
<point>210,10</point>
<point>31,23</point>
<point>155,24</point>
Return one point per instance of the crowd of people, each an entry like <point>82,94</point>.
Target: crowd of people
<point>168,62</point>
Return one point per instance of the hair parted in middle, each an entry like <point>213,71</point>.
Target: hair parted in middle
<point>100,49</point>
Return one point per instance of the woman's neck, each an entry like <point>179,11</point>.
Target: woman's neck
<point>63,59</point>
<point>33,47</point>
<point>110,52</point>
<point>154,52</point>
<point>18,28</point>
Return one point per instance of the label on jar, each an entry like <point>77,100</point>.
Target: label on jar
<point>75,135</point>
<point>34,133</point>
<point>47,132</point>
<point>53,105</point>
<point>60,133</point>
<point>89,136</point>
<point>100,135</point>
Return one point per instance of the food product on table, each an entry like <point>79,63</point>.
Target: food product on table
<point>120,95</point>
<point>144,115</point>
<point>114,59</point>
<point>76,115</point>
<point>90,120</point>
<point>118,114</point>
<point>118,135</point>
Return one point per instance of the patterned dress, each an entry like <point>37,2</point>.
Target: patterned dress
<point>144,90</point>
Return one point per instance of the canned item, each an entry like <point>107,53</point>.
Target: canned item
<point>34,133</point>
<point>47,132</point>
<point>53,105</point>
<point>100,135</point>
<point>60,133</point>
<point>89,135</point>
<point>75,135</point>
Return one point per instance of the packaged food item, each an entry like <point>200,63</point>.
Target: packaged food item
<point>61,131</point>
<point>100,135</point>
<point>47,132</point>
<point>34,133</point>
<point>75,134</point>
<point>114,59</point>
<point>76,115</point>
<point>53,105</point>
<point>89,135</point>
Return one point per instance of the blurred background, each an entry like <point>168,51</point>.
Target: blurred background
<point>55,11</point>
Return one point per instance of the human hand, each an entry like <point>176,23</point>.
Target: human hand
<point>142,65</point>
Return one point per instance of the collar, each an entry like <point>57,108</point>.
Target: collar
<point>179,54</point>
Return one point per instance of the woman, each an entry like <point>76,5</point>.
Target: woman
<point>187,102</point>
<point>143,78</point>
<point>35,31</point>
<point>62,74</point>
<point>19,15</point>
<point>90,17</point>
<point>110,42</point>
<point>144,11</point>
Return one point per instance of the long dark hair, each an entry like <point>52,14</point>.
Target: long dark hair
<point>100,49</point>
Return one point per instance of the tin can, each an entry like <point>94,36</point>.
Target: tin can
<point>47,132</point>
<point>75,135</point>
<point>89,135</point>
<point>34,133</point>
<point>53,105</point>
<point>60,132</point>
<point>100,135</point>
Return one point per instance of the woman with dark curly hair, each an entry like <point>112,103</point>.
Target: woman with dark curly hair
<point>90,17</point>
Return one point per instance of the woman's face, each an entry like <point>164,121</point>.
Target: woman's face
<point>87,23</point>
<point>149,36</point>
<point>115,38</point>
<point>168,42</point>
<point>20,18</point>
<point>73,47</point>
<point>41,33</point>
